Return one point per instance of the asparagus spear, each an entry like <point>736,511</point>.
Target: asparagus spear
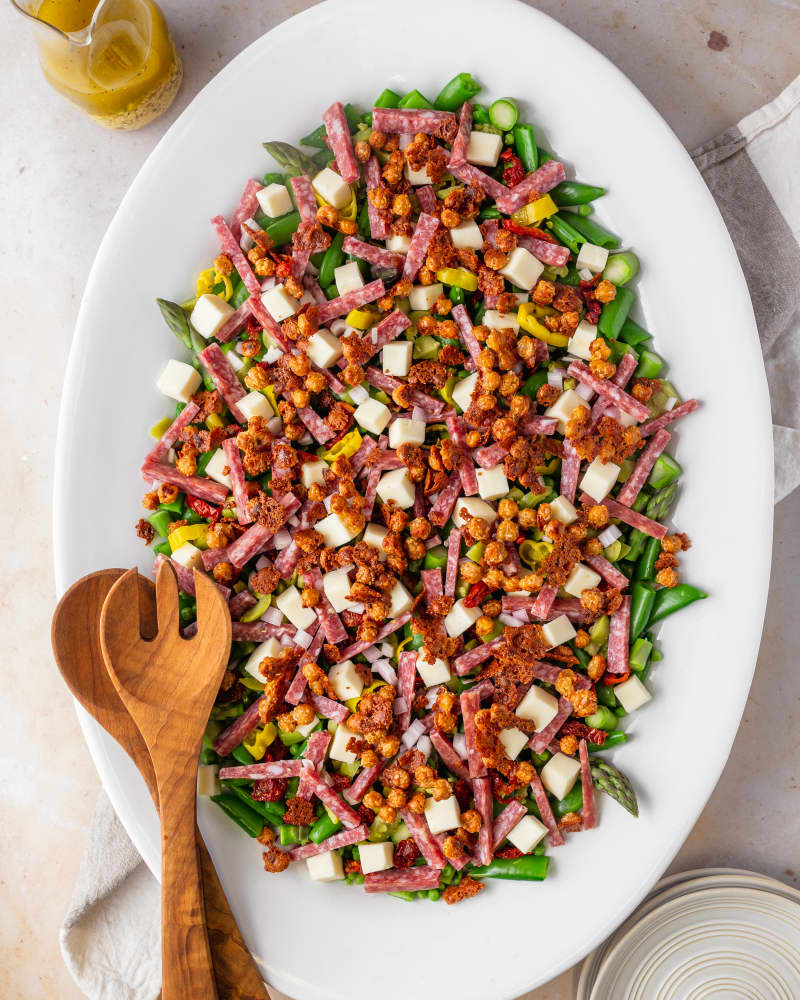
<point>614,783</point>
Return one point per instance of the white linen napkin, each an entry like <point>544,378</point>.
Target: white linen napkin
<point>110,937</point>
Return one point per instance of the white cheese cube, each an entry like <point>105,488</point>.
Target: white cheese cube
<point>513,741</point>
<point>339,750</point>
<point>579,342</point>
<point>527,834</point>
<point>209,314</point>
<point>562,510</point>
<point>563,407</point>
<point>501,321</point>
<point>291,604</point>
<point>279,303</point>
<point>592,257</point>
<point>313,472</point>
<point>330,186</point>
<point>475,508</point>
<point>492,483</point>
<point>484,148</point>
<point>324,349</point>
<point>467,236</point>
<point>334,532</point>
<point>208,780</point>
<point>522,268</point>
<point>422,297</point>
<point>626,419</point>
<point>376,857</point>
<point>460,618</point>
<point>348,278</point>
<point>463,390</point>
<point>442,816</point>
<point>416,177</point>
<point>256,404</point>
<point>559,774</point>
<point>539,706</point>
<point>633,694</point>
<point>581,578</point>
<point>372,415</point>
<point>269,648</point>
<point>306,729</point>
<point>599,478</point>
<point>374,535</point>
<point>346,680</point>
<point>405,431</point>
<point>397,358</point>
<point>236,361</point>
<point>179,381</point>
<point>395,485</point>
<point>437,672</point>
<point>558,631</point>
<point>325,867</point>
<point>336,585</point>
<point>274,200</point>
<point>188,555</point>
<point>214,469</point>
<point>400,601</point>
<point>398,244</point>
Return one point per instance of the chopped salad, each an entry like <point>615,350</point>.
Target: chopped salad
<point>421,446</point>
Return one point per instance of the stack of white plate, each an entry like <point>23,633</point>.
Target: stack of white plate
<point>709,934</point>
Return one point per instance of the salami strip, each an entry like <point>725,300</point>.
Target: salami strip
<point>469,478</point>
<point>470,174</point>
<point>457,430</point>
<point>204,489</point>
<point>449,757</point>
<point>389,329</point>
<point>240,603</point>
<point>403,879</point>
<point>329,798</point>
<point>519,602</point>
<point>342,839</point>
<point>587,786</point>
<point>225,379</point>
<point>474,657</point>
<point>247,207</point>
<point>286,561</point>
<point>329,620</point>
<point>296,690</point>
<point>337,130</point>
<point>644,464</point>
<point>233,324</point>
<point>532,187</point>
<point>362,456</point>
<point>378,228</point>
<point>539,741</point>
<point>545,811</point>
<point>427,199</point>
<point>238,730</point>
<point>440,512</point>
<point>234,460</point>
<point>304,198</point>
<point>328,707</point>
<point>358,647</point>
<point>506,821</point>
<point>388,383</point>
<point>618,639</point>
<point>625,369</point>
<point>311,285</point>
<point>469,706</point>
<point>630,517</point>
<point>453,552</point>
<point>461,316</point>
<point>172,433</point>
<point>540,425</point>
<point>268,769</point>
<point>458,153</point>
<point>374,255</point>
<point>608,571</point>
<point>229,245</point>
<point>431,584</point>
<point>250,544</point>
<point>420,241</point>
<point>570,467</point>
<point>666,418</point>
<point>482,792</point>
<point>548,253</point>
<point>571,607</point>
<point>492,455</point>
<point>300,259</point>
<point>419,500</point>
<point>315,425</point>
<point>457,863</point>
<point>609,391</point>
<point>426,842</point>
<point>352,300</point>
<point>489,231</point>
<point>185,578</point>
<point>396,120</point>
<point>406,676</point>
<point>260,631</point>
<point>315,751</point>
<point>371,491</point>
<point>544,601</point>
<point>356,792</point>
<point>549,672</point>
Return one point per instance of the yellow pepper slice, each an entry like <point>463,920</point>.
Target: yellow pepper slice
<point>187,533</point>
<point>205,281</point>
<point>257,742</point>
<point>213,421</point>
<point>446,392</point>
<point>458,277</point>
<point>226,281</point>
<point>349,212</point>
<point>258,609</point>
<point>535,211</point>
<point>347,446</point>
<point>362,319</point>
<point>533,553</point>
<point>531,325</point>
<point>269,392</point>
<point>157,430</point>
<point>549,468</point>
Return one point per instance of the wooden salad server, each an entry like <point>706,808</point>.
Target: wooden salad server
<point>168,685</point>
<point>76,645</point>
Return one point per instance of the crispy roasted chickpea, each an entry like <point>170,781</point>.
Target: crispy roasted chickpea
<point>303,714</point>
<point>388,814</point>
<point>441,789</point>
<point>582,638</point>
<point>484,625</point>
<point>507,531</point>
<point>479,528</point>
<point>471,820</point>
<point>424,776</point>
<point>369,758</point>
<point>495,553</point>
<point>471,572</point>
<point>373,800</point>
<point>596,667</point>
<point>397,798</point>
<point>287,723</point>
<point>417,803</point>
<point>507,508</point>
<point>667,577</point>
<point>593,547</point>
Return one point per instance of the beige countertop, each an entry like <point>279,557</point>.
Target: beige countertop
<point>63,178</point>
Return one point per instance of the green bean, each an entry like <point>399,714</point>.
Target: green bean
<point>480,115</point>
<point>387,99</point>
<point>613,739</point>
<point>242,815</point>
<point>409,897</point>
<point>242,755</point>
<point>491,212</point>
<point>592,233</point>
<point>645,567</point>
<point>528,868</point>
<point>605,695</point>
<point>281,230</point>
<point>453,94</point>
<point>575,193</point>
<point>603,718</point>
<point>650,365</point>
<point>615,313</point>
<point>413,99</point>
<point>532,384</point>
<point>671,599</point>
<point>364,230</point>
<point>640,654</point>
<point>643,596</point>
<point>271,811</point>
<point>289,835</point>
<point>571,802</point>
<point>457,296</point>
<point>525,145</point>
<point>434,894</point>
<point>334,257</point>
<point>633,334</point>
<point>325,827</point>
<point>565,232</point>
<point>161,521</point>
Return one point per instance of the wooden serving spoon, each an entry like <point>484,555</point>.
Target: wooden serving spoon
<point>76,645</point>
<point>168,685</point>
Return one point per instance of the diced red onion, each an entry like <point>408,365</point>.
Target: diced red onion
<point>262,562</point>
<point>387,649</point>
<point>555,376</point>
<point>327,502</point>
<point>413,733</point>
<point>372,653</point>
<point>430,696</point>
<point>302,638</point>
<point>508,619</point>
<point>400,706</point>
<point>584,391</point>
<point>433,541</point>
<point>670,404</point>
<point>385,671</point>
<point>460,745</point>
<point>267,283</point>
<point>282,539</point>
<point>609,536</point>
<point>358,394</point>
<point>405,139</point>
<point>275,426</point>
<point>417,413</point>
<point>246,240</point>
<point>357,608</point>
<point>306,439</point>
<point>272,616</point>
<point>585,274</point>
<point>424,745</point>
<point>294,520</point>
<point>337,327</point>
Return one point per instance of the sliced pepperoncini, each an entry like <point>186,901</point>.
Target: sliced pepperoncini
<point>458,277</point>
<point>362,319</point>
<point>195,533</point>
<point>256,744</point>
<point>347,446</point>
<point>534,553</point>
<point>535,211</point>
<point>527,320</point>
